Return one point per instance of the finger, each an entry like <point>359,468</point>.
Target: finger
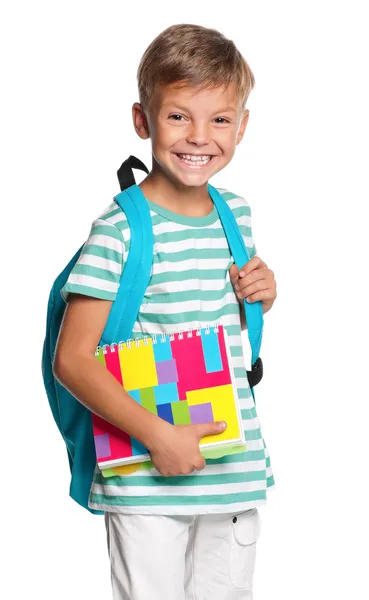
<point>263,295</point>
<point>199,464</point>
<point>254,263</point>
<point>233,273</point>
<point>257,275</point>
<point>253,288</point>
<point>203,429</point>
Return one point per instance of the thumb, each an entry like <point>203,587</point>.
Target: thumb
<point>233,272</point>
<point>203,429</point>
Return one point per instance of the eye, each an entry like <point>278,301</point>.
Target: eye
<point>176,117</point>
<point>221,120</point>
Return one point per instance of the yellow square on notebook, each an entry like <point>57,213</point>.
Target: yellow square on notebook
<point>224,409</point>
<point>137,365</point>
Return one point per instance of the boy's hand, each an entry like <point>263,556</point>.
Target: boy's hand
<point>177,451</point>
<point>254,282</point>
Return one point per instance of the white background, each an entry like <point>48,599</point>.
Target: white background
<point>68,83</point>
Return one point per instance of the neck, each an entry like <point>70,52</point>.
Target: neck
<point>188,201</point>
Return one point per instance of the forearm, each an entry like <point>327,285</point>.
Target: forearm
<point>96,388</point>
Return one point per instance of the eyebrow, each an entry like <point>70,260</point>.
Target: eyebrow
<point>182,108</point>
<point>226,109</point>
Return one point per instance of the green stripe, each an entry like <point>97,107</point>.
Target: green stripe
<point>186,480</point>
<point>248,413</point>
<point>103,252</point>
<point>236,351</point>
<point>157,219</point>
<point>199,233</point>
<point>243,393</point>
<point>202,274</point>
<point>192,254</point>
<point>241,211</point>
<point>233,330</point>
<point>113,212</point>
<point>74,288</point>
<point>229,195</point>
<point>270,481</point>
<point>101,274</point>
<point>240,372</point>
<point>245,230</point>
<point>108,230</point>
<point>249,455</point>
<point>187,295</point>
<point>252,434</point>
<point>203,500</point>
<point>186,317</point>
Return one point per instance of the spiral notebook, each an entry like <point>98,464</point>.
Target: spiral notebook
<point>183,378</point>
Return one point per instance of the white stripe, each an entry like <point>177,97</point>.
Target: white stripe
<point>120,221</point>
<point>164,328</point>
<point>206,285</point>
<point>246,404</point>
<point>150,328</point>
<point>238,202</point>
<point>93,282</point>
<point>241,467</point>
<point>175,308</point>
<point>232,509</point>
<point>100,262</point>
<point>251,424</point>
<point>106,242</point>
<point>253,445</point>
<point>172,227</point>
<point>178,490</point>
<point>238,361</point>
<point>202,264</point>
<point>201,244</point>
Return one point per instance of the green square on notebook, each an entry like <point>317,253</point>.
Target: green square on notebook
<point>181,413</point>
<point>147,396</point>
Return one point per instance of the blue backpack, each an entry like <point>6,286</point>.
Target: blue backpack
<point>72,418</point>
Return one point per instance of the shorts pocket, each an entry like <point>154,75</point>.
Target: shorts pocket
<point>246,528</point>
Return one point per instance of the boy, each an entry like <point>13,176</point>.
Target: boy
<point>187,528</point>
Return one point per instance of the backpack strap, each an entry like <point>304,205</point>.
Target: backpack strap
<point>125,174</point>
<point>137,270</point>
<point>254,312</point>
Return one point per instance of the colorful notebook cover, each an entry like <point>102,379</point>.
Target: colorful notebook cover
<point>183,378</point>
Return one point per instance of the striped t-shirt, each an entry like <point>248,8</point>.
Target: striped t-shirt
<point>189,287</point>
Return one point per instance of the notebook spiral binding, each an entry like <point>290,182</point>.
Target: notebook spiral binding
<point>163,337</point>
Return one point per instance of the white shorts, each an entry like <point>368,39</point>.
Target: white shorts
<point>206,557</point>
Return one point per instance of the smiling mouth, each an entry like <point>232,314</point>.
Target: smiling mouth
<point>195,161</point>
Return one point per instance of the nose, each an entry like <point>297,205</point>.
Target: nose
<point>198,134</point>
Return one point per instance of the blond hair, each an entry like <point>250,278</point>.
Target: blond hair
<point>194,56</point>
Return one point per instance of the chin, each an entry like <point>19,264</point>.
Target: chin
<point>192,177</point>
<point>192,181</point>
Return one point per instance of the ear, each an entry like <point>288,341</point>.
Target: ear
<point>140,121</point>
<point>242,127</point>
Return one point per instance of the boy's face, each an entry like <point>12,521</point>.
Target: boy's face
<point>193,133</point>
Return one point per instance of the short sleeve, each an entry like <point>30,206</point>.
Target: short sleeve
<point>99,267</point>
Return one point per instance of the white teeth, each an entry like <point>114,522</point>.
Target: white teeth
<point>192,159</point>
